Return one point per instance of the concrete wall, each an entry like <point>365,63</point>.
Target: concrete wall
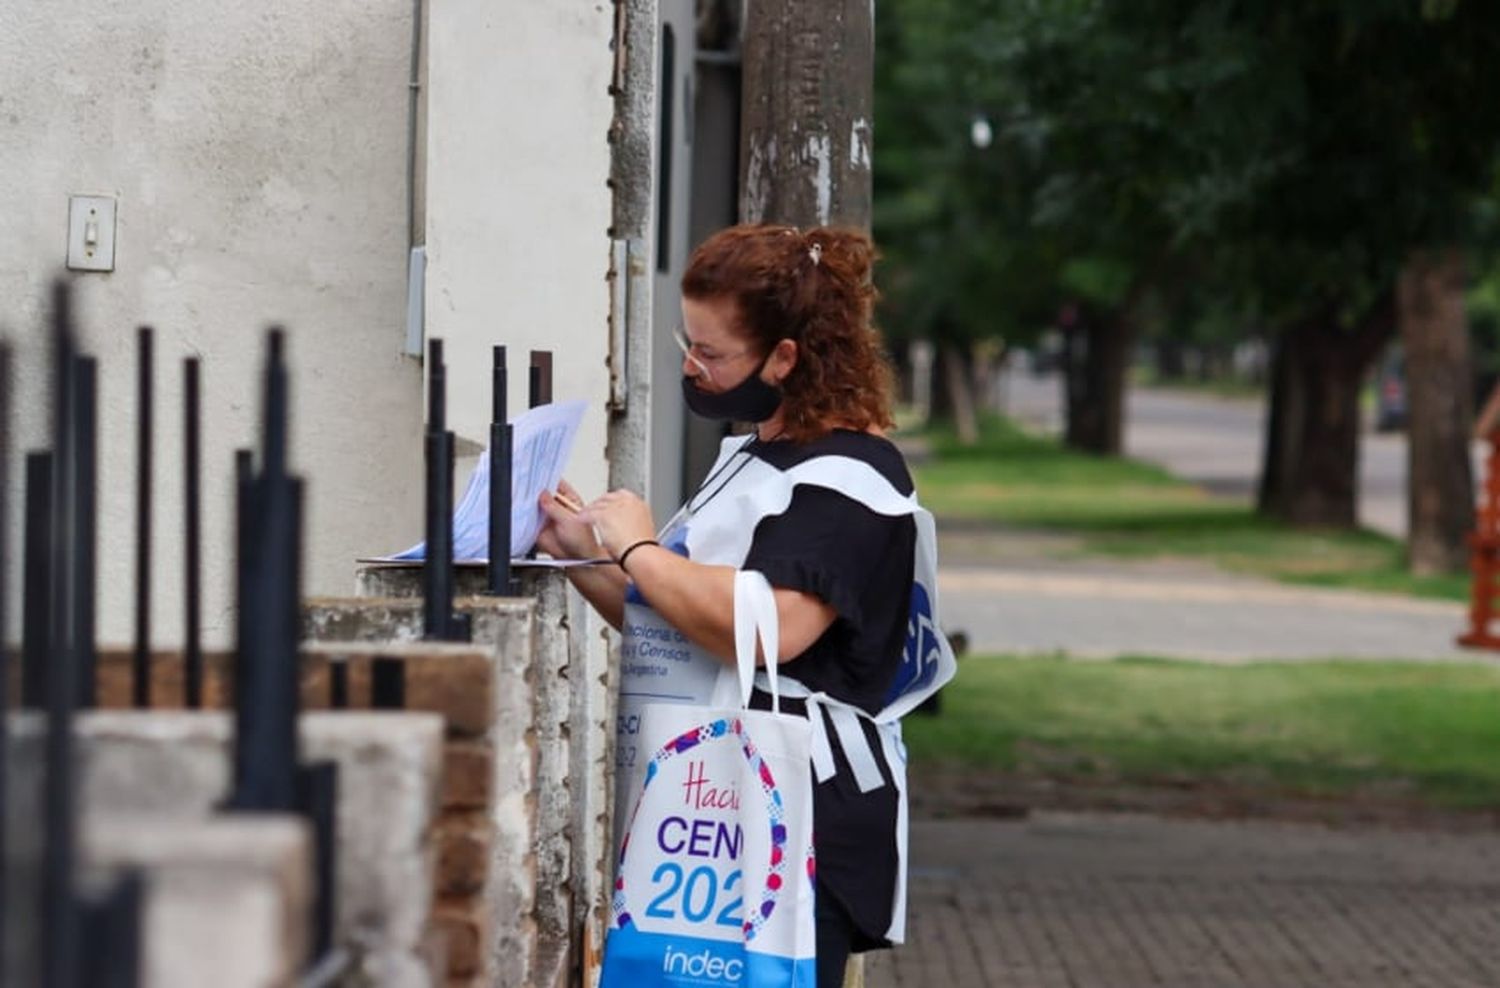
<point>518,210</point>
<point>227,898</point>
<point>522,922</point>
<point>177,764</point>
<point>259,155</point>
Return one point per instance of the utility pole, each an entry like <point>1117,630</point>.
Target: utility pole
<point>809,80</point>
<point>805,128</point>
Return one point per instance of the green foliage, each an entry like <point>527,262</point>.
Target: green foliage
<point>1484,326</point>
<point>1244,161</point>
<point>1309,729</point>
<point>1128,509</point>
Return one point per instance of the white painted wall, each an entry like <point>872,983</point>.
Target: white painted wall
<point>518,209</point>
<point>259,153</point>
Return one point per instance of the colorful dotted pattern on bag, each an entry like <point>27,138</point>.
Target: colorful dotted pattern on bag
<point>775,875</point>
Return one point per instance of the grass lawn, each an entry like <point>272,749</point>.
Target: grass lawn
<point>1130,509</point>
<point>1216,387</point>
<point>1426,732</point>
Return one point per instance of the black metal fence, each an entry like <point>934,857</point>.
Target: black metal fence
<point>59,659</point>
<point>93,939</point>
<point>268,772</point>
<point>7,390</point>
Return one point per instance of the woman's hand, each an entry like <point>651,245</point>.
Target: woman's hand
<point>566,534</point>
<point>621,519</point>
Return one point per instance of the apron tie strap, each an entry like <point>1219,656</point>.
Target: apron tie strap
<point>822,751</point>
<point>856,747</point>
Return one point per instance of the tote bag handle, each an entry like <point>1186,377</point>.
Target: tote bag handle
<point>755,617</point>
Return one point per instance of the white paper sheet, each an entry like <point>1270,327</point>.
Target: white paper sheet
<point>542,439</point>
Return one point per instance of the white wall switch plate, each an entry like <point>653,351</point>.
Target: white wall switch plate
<point>91,233</point>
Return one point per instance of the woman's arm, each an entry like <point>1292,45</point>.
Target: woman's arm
<point>603,586</point>
<point>696,599</point>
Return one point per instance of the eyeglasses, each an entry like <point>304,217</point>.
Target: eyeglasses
<point>702,361</point>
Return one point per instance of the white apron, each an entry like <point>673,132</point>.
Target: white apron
<point>660,665</point>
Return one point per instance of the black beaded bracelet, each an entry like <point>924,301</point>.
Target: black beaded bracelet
<point>631,548</point>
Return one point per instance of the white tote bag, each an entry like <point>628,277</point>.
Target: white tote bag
<point>714,885</point>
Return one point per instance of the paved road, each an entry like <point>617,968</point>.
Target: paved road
<point>1183,611</point>
<point>1217,442</point>
<point>1020,592</point>
<point>1117,901</point>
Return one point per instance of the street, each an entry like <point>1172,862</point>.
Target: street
<point>1030,592</point>
<point>1217,442</point>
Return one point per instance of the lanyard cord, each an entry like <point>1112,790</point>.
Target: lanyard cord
<point>689,509</point>
<point>744,447</point>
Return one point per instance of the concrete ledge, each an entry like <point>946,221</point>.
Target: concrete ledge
<point>441,677</point>
<point>556,793</point>
<point>390,781</point>
<point>227,898</point>
<point>175,765</point>
<point>592,672</point>
<point>388,620</point>
<point>519,921</point>
<point>453,680</point>
<point>546,894</point>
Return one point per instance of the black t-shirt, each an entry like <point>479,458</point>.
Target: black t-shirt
<point>861,563</point>
<point>852,558</point>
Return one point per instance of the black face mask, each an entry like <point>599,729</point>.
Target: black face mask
<point>752,400</point>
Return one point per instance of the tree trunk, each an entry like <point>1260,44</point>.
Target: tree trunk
<point>919,358</point>
<point>1171,361</point>
<point>1310,471</point>
<point>957,377</point>
<point>809,81</point>
<point>1439,403</point>
<point>1277,433</point>
<point>1096,355</point>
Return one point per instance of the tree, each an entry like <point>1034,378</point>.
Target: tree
<point>1440,407</point>
<point>1286,159</point>
<point>1120,130</point>
<point>985,236</point>
<point>950,214</point>
<point>1387,141</point>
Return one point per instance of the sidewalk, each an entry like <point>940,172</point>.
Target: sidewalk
<point>1117,901</point>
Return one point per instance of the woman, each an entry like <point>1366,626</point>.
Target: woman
<point>776,331</point>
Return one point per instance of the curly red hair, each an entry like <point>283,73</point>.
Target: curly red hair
<point>813,287</point>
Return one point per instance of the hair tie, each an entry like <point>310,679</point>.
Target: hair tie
<point>816,253</point>
<point>631,548</point>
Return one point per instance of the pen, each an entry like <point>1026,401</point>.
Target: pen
<point>576,508</point>
<point>567,502</point>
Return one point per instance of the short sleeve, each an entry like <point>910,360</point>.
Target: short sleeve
<point>856,560</point>
<point>836,549</point>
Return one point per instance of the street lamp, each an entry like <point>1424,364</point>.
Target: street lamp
<point>981,134</point>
